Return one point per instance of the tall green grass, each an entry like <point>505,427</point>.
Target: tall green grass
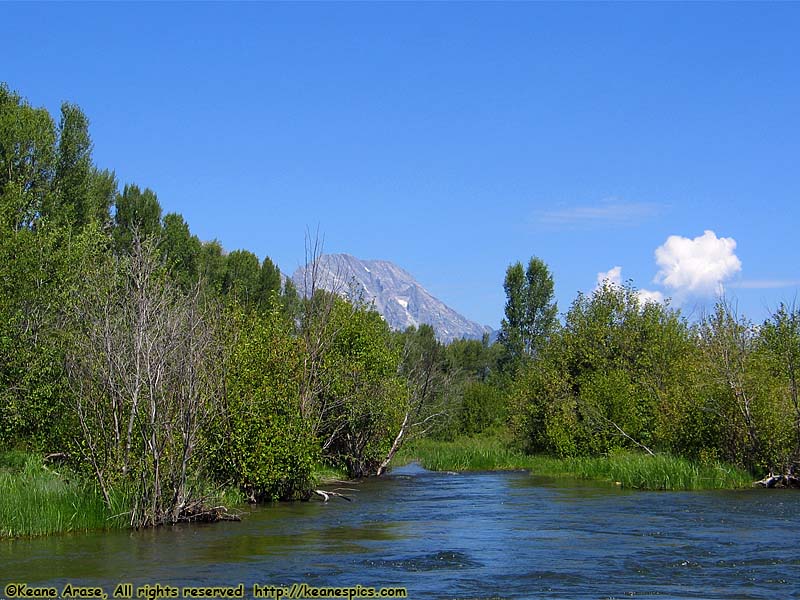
<point>628,469</point>
<point>38,500</point>
<point>325,474</point>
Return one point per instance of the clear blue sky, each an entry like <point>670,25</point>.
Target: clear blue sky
<point>451,138</point>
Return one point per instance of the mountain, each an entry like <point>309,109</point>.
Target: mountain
<point>394,292</point>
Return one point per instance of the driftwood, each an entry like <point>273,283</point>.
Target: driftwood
<point>196,512</point>
<point>789,480</point>
<point>325,495</point>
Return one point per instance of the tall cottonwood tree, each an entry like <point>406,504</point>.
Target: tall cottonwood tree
<point>530,312</point>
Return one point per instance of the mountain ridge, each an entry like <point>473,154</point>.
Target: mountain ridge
<point>394,292</point>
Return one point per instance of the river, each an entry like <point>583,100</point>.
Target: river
<point>474,535</point>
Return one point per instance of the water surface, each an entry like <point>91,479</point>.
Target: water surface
<point>476,535</point>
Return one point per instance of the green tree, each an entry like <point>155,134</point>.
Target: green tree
<point>290,299</point>
<point>260,440</point>
<point>181,250</point>
<point>780,343</point>
<point>530,313</point>
<point>606,379</point>
<point>137,213</point>
<point>362,396</point>
<point>242,272</point>
<point>27,160</point>
<point>475,359</point>
<point>269,284</point>
<point>71,205</point>
<point>211,264</point>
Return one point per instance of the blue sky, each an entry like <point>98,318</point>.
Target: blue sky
<point>452,139</point>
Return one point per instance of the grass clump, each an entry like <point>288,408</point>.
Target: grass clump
<point>40,500</point>
<point>325,474</point>
<point>628,469</point>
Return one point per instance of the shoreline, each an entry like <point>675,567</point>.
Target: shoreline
<point>626,469</point>
<point>40,501</point>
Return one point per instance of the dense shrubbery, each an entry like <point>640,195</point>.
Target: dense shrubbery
<point>258,439</point>
<point>622,374</point>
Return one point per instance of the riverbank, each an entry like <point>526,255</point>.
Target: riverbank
<point>627,469</point>
<point>42,500</point>
<point>39,498</point>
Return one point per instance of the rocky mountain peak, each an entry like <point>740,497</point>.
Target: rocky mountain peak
<point>393,291</point>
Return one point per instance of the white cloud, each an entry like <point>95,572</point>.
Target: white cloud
<point>646,296</point>
<point>696,266</point>
<point>607,212</point>
<point>614,277</point>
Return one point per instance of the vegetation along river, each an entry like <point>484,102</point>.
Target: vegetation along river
<point>474,535</point>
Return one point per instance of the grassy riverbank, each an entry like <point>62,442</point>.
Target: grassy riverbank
<point>41,500</point>
<point>628,469</point>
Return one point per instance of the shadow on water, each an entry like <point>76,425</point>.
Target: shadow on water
<point>470,535</point>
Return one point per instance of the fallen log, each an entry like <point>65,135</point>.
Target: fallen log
<point>325,495</point>
<point>779,481</point>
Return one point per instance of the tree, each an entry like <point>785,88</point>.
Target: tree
<point>605,378</point>
<point>72,203</point>
<point>144,366</point>
<point>429,397</point>
<point>211,264</point>
<point>242,276</point>
<point>362,397</point>
<point>181,250</point>
<point>137,212</point>
<point>260,441</point>
<point>269,284</point>
<point>780,341</point>
<point>27,160</point>
<point>530,310</point>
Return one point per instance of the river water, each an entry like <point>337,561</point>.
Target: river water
<point>475,535</point>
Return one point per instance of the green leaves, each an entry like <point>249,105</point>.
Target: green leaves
<point>530,310</point>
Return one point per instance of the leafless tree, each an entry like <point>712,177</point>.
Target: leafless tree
<point>145,369</point>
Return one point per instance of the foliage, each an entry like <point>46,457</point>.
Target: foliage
<point>27,160</point>
<point>137,214</point>
<point>362,400</point>
<point>181,250</point>
<point>605,377</point>
<point>747,383</point>
<point>530,313</point>
<point>259,440</point>
<point>483,407</point>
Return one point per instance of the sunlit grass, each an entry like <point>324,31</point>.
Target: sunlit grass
<point>39,500</point>
<point>326,473</point>
<point>628,469</point>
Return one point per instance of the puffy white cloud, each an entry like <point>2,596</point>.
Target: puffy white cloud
<point>696,266</point>
<point>614,277</point>
<point>646,296</point>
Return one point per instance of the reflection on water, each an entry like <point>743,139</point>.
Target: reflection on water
<point>474,535</point>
